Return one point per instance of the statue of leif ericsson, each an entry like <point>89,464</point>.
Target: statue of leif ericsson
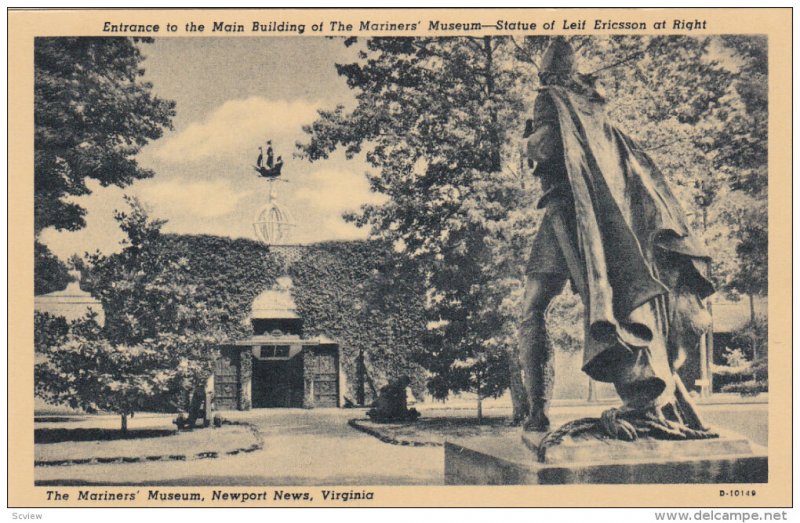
<point>613,227</point>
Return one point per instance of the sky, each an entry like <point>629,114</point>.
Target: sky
<point>232,94</point>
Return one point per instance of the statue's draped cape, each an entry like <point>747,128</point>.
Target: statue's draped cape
<point>628,222</point>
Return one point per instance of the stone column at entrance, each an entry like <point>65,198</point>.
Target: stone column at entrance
<point>308,377</point>
<point>245,378</point>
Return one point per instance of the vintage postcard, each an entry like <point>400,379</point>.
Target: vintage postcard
<point>400,258</point>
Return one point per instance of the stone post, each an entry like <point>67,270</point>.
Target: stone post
<point>309,364</point>
<point>245,378</point>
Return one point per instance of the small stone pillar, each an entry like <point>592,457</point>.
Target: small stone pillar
<point>308,377</point>
<point>245,378</point>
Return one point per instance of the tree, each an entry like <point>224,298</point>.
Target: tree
<point>92,114</point>
<point>86,371</point>
<point>485,372</point>
<point>171,284</point>
<point>48,330</point>
<point>439,120</point>
<point>742,155</point>
<point>434,115</point>
<point>168,307</point>
<point>49,273</point>
<point>165,292</point>
<point>125,366</point>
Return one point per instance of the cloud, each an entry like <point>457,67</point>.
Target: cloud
<point>206,199</point>
<point>325,195</point>
<point>237,126</point>
<point>101,232</point>
<point>341,230</point>
<point>337,191</point>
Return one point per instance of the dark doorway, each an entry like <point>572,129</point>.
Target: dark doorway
<point>278,383</point>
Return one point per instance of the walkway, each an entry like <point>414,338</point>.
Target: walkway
<point>301,447</point>
<point>318,448</point>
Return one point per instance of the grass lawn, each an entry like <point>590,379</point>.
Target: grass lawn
<point>47,436</point>
<point>93,439</point>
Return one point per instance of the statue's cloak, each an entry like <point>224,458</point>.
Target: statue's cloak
<point>627,222</point>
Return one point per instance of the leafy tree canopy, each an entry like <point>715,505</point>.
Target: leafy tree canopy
<point>440,119</point>
<point>49,273</point>
<point>169,303</point>
<point>92,114</point>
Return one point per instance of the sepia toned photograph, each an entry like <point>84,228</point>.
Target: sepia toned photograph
<point>490,256</point>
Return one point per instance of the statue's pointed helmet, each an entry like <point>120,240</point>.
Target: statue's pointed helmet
<point>558,59</point>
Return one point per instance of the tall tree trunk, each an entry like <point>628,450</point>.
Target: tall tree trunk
<point>480,404</point>
<point>519,399</point>
<point>753,344</point>
<point>124,423</point>
<point>494,132</point>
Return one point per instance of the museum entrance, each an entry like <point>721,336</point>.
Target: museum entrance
<point>277,383</point>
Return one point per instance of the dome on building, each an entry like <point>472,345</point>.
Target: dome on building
<point>72,303</point>
<point>275,303</point>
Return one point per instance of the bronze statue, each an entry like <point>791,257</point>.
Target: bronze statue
<point>614,228</point>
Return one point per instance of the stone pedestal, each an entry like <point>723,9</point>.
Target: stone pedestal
<point>511,460</point>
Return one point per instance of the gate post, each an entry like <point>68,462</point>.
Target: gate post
<point>308,377</point>
<point>245,378</point>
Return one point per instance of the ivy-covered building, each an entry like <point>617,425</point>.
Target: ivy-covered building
<point>277,366</point>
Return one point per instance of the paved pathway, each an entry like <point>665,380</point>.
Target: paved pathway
<point>301,447</point>
<point>317,447</point>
